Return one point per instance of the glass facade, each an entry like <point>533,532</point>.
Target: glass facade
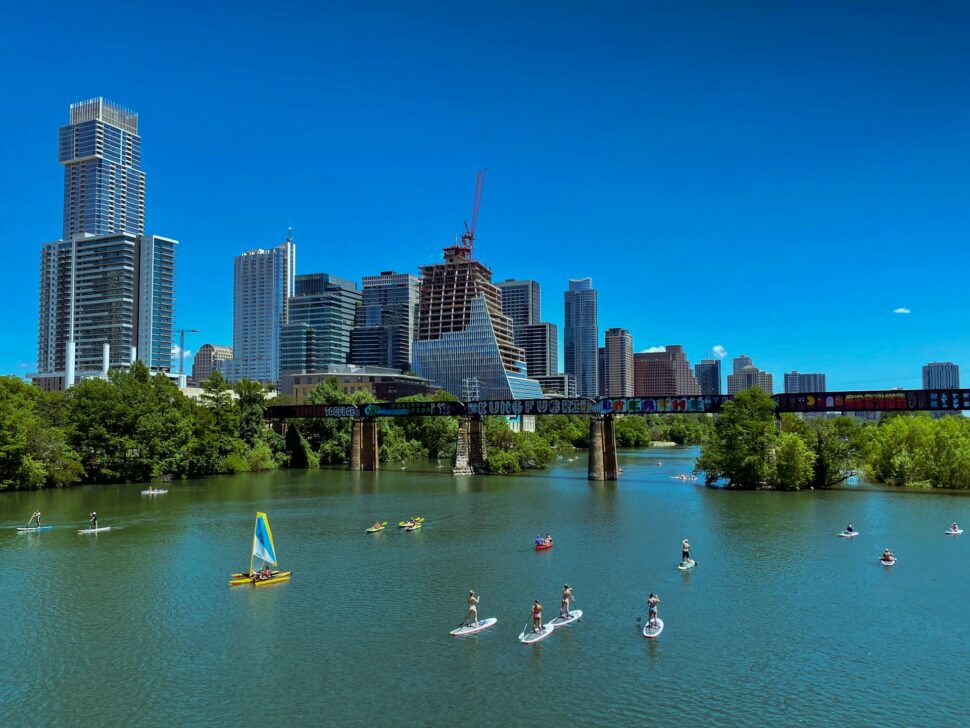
<point>386,321</point>
<point>327,305</point>
<point>581,336</point>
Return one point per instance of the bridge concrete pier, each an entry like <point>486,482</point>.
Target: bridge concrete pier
<point>364,454</point>
<point>602,449</point>
<point>470,451</point>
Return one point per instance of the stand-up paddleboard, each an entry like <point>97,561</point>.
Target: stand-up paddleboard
<point>153,491</point>
<point>846,534</point>
<point>687,565</point>
<point>528,637</point>
<point>99,529</point>
<point>653,630</point>
<point>33,529</point>
<point>561,621</point>
<point>948,532</point>
<point>890,562</point>
<point>474,627</point>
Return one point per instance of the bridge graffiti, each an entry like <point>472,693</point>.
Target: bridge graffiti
<point>893,400</point>
<point>660,405</point>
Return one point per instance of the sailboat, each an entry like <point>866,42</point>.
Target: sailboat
<point>265,551</point>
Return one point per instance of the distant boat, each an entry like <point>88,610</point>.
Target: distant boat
<point>264,550</point>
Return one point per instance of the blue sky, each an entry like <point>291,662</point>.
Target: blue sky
<point>772,177</point>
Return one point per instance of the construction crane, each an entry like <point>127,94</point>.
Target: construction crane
<point>182,333</point>
<point>468,237</point>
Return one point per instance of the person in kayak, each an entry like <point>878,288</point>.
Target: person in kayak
<point>547,540</point>
<point>471,618</point>
<point>539,540</point>
<point>36,517</point>
<point>887,555</point>
<point>536,616</point>
<point>685,552</point>
<point>377,524</point>
<point>652,602</point>
<point>94,519</point>
<point>567,595</point>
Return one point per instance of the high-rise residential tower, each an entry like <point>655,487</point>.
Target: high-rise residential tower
<point>747,375</point>
<point>104,185</point>
<point>664,373</point>
<point>941,375</point>
<point>520,301</point>
<point>386,321</point>
<point>540,343</point>
<point>465,342</point>
<point>263,281</point>
<point>320,317</point>
<point>800,383</point>
<point>207,360</point>
<point>708,375</point>
<point>581,336</point>
<point>619,363</point>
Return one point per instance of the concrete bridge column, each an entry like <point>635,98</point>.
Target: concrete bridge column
<point>595,466</point>
<point>369,446</point>
<point>356,437</point>
<point>611,470</point>
<point>470,451</point>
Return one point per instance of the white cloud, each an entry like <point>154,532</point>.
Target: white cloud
<point>901,310</point>
<point>719,351</point>
<point>654,350</point>
<point>185,355</point>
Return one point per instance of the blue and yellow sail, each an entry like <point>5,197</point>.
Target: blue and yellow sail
<point>263,547</point>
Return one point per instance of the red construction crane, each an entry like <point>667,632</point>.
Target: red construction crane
<point>468,237</point>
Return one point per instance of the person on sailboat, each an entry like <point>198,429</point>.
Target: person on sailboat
<point>35,517</point>
<point>94,519</point>
<point>471,619</point>
<point>536,616</point>
<point>567,595</point>
<point>652,601</point>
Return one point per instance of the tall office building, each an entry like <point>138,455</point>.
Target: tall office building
<point>207,360</point>
<point>581,336</point>
<point>386,321</point>
<point>799,383</point>
<point>320,317</point>
<point>664,373</point>
<point>520,302</point>
<point>540,344</point>
<point>104,185</point>
<point>708,375</point>
<point>263,282</point>
<point>747,375</point>
<point>619,363</point>
<point>107,291</point>
<point>941,375</point>
<point>465,342</point>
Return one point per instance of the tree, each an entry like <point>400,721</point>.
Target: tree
<point>792,462</point>
<point>251,397</point>
<point>743,441</point>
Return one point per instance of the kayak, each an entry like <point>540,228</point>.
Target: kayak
<point>94,530</point>
<point>543,546</point>
<point>651,631</point>
<point>529,637</point>
<point>404,524</point>
<point>415,527</point>
<point>375,530</point>
<point>474,627</point>
<point>154,492</point>
<point>890,562</point>
<point>561,621</point>
<point>275,578</point>
<point>32,529</point>
<point>846,534</point>
<point>948,532</point>
<point>687,565</point>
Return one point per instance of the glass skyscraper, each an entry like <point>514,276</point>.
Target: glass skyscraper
<point>386,321</point>
<point>320,316</point>
<point>581,336</point>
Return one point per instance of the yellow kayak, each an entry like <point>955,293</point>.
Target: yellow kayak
<point>275,578</point>
<point>403,524</point>
<point>415,527</point>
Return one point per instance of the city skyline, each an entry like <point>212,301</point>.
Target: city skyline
<point>836,201</point>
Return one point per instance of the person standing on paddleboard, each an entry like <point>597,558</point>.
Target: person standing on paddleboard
<point>471,619</point>
<point>35,517</point>
<point>652,601</point>
<point>567,595</point>
<point>685,552</point>
<point>94,519</point>
<point>536,616</point>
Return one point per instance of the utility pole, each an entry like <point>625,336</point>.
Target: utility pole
<point>182,333</point>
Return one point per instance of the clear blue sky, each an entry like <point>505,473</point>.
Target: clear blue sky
<point>772,177</point>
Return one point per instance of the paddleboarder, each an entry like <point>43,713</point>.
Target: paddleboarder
<point>849,529</point>
<point>685,552</point>
<point>652,602</point>
<point>36,517</point>
<point>94,519</point>
<point>567,595</point>
<point>953,526</point>
<point>536,616</point>
<point>471,619</point>
<point>887,555</point>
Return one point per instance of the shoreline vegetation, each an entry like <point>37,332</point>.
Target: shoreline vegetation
<point>133,427</point>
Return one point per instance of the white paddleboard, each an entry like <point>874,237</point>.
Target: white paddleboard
<point>560,621</point>
<point>94,530</point>
<point>474,627</point>
<point>846,534</point>
<point>948,532</point>
<point>687,565</point>
<point>529,637</point>
<point>25,529</point>
<point>653,631</point>
<point>154,492</point>
<point>887,563</point>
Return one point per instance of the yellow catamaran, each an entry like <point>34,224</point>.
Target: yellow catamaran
<point>265,551</point>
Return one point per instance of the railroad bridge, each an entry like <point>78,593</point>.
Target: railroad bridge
<point>471,454</point>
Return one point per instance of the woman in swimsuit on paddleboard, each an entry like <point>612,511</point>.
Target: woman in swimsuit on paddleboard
<point>471,619</point>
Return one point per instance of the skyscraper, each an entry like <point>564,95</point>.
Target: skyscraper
<point>799,383</point>
<point>747,375</point>
<point>320,317</point>
<point>664,373</point>
<point>386,321</point>
<point>541,346</point>
<point>619,363</point>
<point>263,281</point>
<point>581,336</point>
<point>104,186</point>
<point>520,301</point>
<point>708,375</point>
<point>941,375</point>
<point>464,342</point>
<point>107,284</point>
<point>207,360</point>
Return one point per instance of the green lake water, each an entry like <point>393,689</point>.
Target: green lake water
<point>781,622</point>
